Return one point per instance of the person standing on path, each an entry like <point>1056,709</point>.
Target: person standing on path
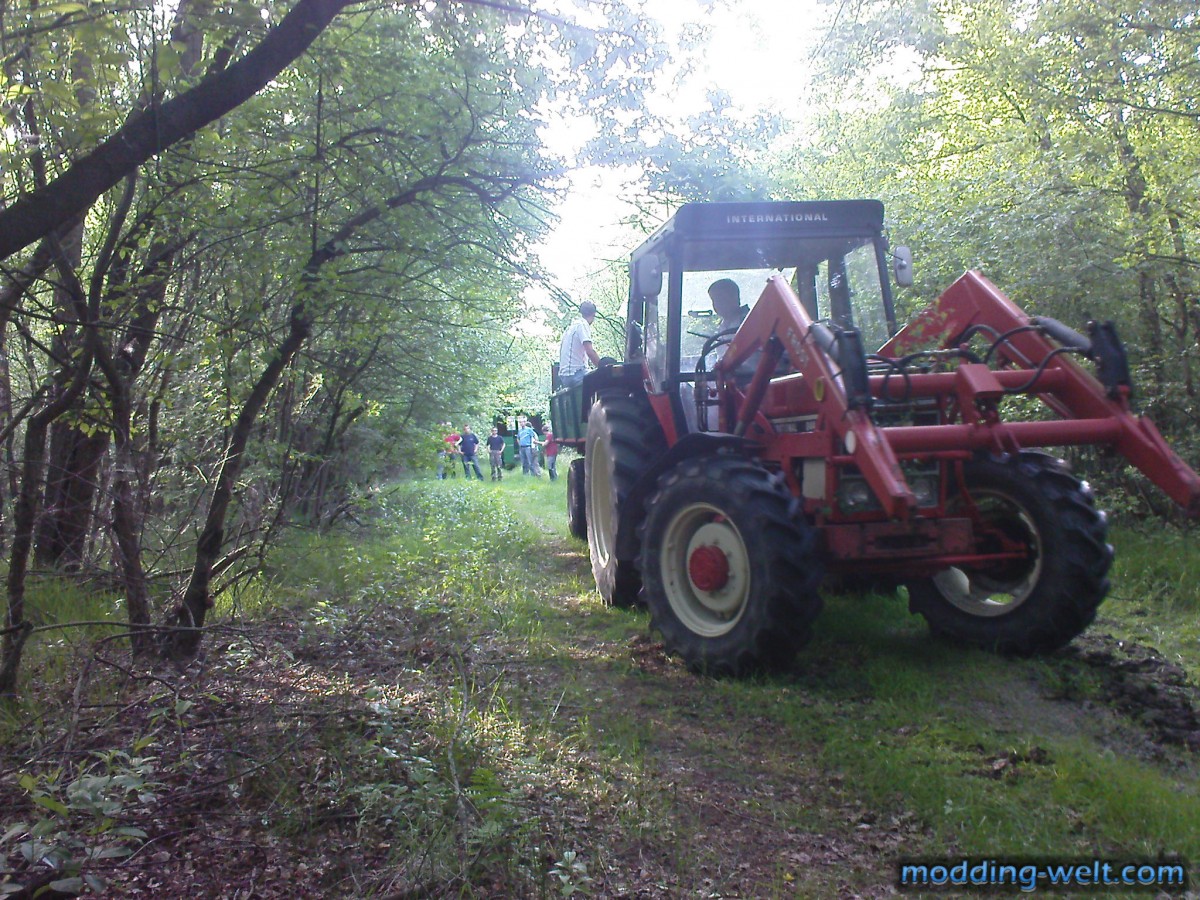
<point>451,443</point>
<point>495,445</point>
<point>441,454</point>
<point>550,446</point>
<point>526,445</point>
<point>468,445</point>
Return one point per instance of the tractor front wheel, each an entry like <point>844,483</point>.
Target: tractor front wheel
<point>729,573</point>
<point>1050,575</point>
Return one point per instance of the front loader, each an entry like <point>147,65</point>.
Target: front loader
<point>728,471</point>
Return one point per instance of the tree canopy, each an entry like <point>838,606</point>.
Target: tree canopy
<point>1049,144</point>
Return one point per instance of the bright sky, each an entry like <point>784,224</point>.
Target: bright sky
<point>758,52</point>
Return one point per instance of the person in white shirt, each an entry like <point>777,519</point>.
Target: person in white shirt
<point>576,349</point>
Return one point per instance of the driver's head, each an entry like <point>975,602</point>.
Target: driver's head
<point>726,298</point>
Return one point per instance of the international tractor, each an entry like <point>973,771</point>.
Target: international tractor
<point>728,470</point>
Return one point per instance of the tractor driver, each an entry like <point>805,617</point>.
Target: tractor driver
<point>727,303</point>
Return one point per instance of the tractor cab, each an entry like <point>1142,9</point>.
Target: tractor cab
<point>834,254</point>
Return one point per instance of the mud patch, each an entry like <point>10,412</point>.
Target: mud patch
<point>1139,682</point>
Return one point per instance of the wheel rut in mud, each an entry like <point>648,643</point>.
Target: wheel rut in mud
<point>1140,683</point>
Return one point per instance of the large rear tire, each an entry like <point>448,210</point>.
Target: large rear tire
<point>730,573</point>
<point>1038,602</point>
<point>576,500</point>
<point>623,437</point>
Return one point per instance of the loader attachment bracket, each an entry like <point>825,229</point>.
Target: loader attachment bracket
<point>1112,365</point>
<point>1091,408</point>
<point>853,361</point>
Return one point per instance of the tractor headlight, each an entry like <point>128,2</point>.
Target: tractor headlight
<point>925,490</point>
<point>855,495</point>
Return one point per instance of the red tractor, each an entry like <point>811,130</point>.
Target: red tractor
<point>738,457</point>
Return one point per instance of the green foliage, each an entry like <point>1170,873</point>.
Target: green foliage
<point>379,200</point>
<point>52,655</point>
<point>1159,566</point>
<point>391,182</point>
<point>452,776</point>
<point>1154,596</point>
<point>572,875</point>
<point>77,818</point>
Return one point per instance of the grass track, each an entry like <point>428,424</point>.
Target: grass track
<point>957,751</point>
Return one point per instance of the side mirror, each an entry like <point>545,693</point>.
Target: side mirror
<point>647,276</point>
<point>902,266</point>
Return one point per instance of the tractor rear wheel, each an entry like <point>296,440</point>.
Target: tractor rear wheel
<point>1049,590</point>
<point>730,573</point>
<point>623,437</point>
<point>576,500</point>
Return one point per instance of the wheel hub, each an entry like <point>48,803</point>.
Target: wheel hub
<point>708,568</point>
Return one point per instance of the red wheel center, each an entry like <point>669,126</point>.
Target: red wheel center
<point>708,568</point>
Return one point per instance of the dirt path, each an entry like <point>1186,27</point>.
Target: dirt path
<point>738,808</point>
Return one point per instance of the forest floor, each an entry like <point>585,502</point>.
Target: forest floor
<point>437,705</point>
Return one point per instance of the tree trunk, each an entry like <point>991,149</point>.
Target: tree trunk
<point>6,415</point>
<point>197,599</point>
<point>24,517</point>
<point>129,548</point>
<point>18,283</point>
<point>1181,284</point>
<point>1137,203</point>
<point>69,251</point>
<point>72,468</point>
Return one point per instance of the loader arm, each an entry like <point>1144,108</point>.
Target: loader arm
<point>779,322</point>
<point>974,304</point>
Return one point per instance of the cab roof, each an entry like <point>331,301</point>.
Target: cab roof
<point>767,218</point>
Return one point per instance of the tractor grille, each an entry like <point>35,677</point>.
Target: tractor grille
<point>854,495</point>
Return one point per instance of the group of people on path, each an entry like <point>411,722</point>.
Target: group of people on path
<point>463,446</point>
<point>576,352</point>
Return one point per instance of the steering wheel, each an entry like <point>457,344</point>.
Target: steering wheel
<point>711,342</point>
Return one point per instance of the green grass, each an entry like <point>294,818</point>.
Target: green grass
<point>51,655</point>
<point>979,748</point>
<point>994,757</point>
<point>1155,596</point>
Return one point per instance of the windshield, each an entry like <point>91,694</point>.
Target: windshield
<point>837,280</point>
